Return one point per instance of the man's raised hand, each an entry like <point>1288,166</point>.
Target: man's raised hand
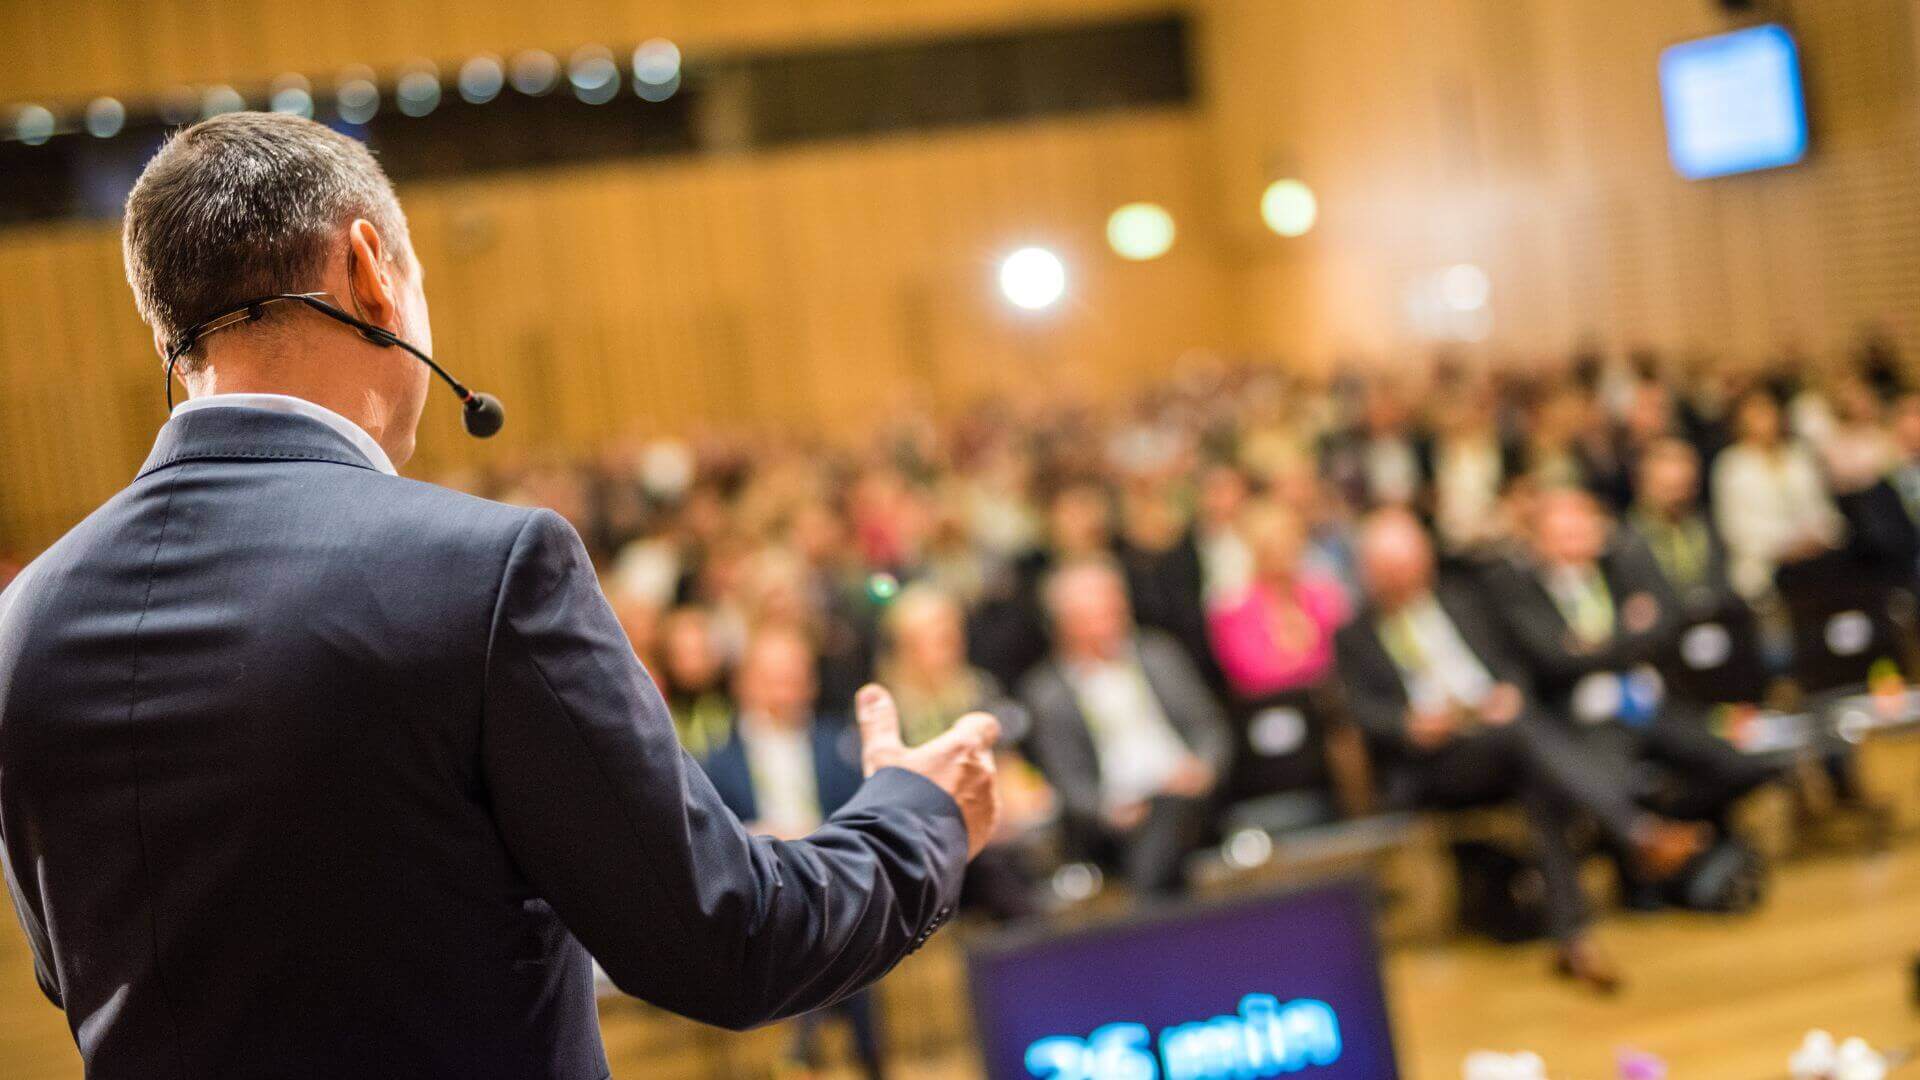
<point>959,760</point>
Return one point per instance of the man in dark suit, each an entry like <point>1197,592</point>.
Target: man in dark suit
<point>1589,618</point>
<point>1715,654</point>
<point>307,770</point>
<point>1449,708</point>
<point>783,772</point>
<point>1125,729</point>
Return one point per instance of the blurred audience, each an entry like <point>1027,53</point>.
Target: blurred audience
<point>1125,728</point>
<point>1450,709</point>
<point>1555,608</point>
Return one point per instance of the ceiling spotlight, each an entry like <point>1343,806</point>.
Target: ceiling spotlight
<point>535,72</point>
<point>656,62</point>
<point>1289,207</point>
<point>481,79</point>
<point>417,93</point>
<point>219,100</point>
<point>293,100</point>
<point>1033,278</point>
<point>1464,287</point>
<point>1140,231</point>
<point>105,117</point>
<point>358,101</point>
<point>33,124</point>
<point>657,92</point>
<point>594,75</point>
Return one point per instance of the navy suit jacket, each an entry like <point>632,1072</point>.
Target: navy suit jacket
<point>836,769</point>
<point>311,771</point>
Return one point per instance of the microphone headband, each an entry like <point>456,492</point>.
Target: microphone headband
<point>483,415</point>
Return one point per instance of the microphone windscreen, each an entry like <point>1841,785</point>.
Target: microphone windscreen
<point>483,415</point>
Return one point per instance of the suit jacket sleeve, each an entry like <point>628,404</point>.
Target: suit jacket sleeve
<point>1372,689</point>
<point>1060,744</point>
<point>37,941</point>
<point>1190,703</point>
<point>626,838</point>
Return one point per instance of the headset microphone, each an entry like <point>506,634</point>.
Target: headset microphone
<point>482,413</point>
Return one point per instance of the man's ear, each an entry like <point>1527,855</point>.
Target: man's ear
<point>370,276</point>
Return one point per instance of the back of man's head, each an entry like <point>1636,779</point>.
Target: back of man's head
<point>246,205</point>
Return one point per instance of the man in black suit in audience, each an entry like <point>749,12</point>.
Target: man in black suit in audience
<point>1125,729</point>
<point>1590,616</point>
<point>1430,678</point>
<point>1715,656</point>
<point>1676,530</point>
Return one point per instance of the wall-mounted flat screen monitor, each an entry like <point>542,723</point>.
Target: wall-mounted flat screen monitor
<point>1280,985</point>
<point>1734,102</point>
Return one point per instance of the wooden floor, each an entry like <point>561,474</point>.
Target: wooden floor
<point>1719,998</point>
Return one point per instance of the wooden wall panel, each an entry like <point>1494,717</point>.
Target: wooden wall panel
<point>810,289</point>
<point>1526,136</point>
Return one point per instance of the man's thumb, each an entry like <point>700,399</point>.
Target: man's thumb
<point>879,720</point>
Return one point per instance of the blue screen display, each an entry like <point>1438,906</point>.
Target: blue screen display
<point>1285,985</point>
<point>1734,103</point>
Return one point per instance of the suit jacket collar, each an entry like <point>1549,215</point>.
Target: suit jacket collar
<point>239,434</point>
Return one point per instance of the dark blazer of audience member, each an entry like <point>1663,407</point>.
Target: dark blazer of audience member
<point>1384,459</point>
<point>778,742</point>
<point>1123,726</point>
<point>1376,691</point>
<point>1007,630</point>
<point>1670,524</point>
<point>1578,605</point>
<point>1210,561</point>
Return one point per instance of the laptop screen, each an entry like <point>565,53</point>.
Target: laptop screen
<point>1277,985</point>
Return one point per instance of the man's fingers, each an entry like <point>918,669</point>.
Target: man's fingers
<point>976,729</point>
<point>879,721</point>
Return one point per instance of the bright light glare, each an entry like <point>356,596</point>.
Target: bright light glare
<point>34,125</point>
<point>481,79</point>
<point>1289,207</point>
<point>1140,231</point>
<point>105,117</point>
<point>657,62</point>
<point>1465,287</point>
<point>1033,278</point>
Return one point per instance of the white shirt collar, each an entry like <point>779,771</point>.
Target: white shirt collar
<point>293,406</point>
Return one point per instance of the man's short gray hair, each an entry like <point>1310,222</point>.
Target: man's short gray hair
<point>243,205</point>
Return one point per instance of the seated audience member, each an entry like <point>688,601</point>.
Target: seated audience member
<point>1770,499</point>
<point>1429,676</point>
<point>783,771</point>
<point>1007,632</point>
<point>1717,654</point>
<point>693,679</point>
<point>924,663</point>
<point>1905,431</point>
<point>1276,635</point>
<point>1472,462</point>
<point>1125,729</point>
<point>1589,618</point>
<point>1212,560</point>
<point>1381,460</point>
<point>1686,547</point>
